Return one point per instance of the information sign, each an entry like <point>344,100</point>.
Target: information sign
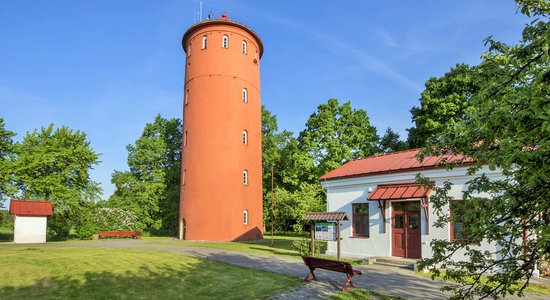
<point>325,231</point>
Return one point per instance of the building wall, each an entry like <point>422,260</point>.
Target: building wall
<point>29,229</point>
<point>342,193</point>
<point>213,197</point>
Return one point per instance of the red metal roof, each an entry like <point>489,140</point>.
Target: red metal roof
<point>395,162</point>
<point>30,208</point>
<point>398,191</point>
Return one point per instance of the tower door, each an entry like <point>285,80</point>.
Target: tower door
<point>406,239</point>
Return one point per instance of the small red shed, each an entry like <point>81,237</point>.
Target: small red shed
<point>30,220</point>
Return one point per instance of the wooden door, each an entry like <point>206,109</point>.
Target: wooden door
<point>398,233</point>
<point>406,234</point>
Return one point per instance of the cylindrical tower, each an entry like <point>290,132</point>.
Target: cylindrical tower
<point>221,185</point>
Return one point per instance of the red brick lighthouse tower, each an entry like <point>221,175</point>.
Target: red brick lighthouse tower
<point>221,187</point>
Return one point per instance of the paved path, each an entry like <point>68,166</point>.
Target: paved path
<point>392,281</point>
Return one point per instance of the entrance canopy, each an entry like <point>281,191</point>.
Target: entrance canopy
<point>398,191</point>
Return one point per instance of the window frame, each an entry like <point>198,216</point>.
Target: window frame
<point>204,42</point>
<point>245,217</point>
<point>245,137</point>
<point>225,41</point>
<point>244,95</point>
<point>245,177</point>
<point>452,223</point>
<point>245,47</point>
<point>364,217</point>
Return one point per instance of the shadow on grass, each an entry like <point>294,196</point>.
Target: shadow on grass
<point>201,279</point>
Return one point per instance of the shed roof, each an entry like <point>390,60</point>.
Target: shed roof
<point>326,216</point>
<point>402,161</point>
<point>30,208</point>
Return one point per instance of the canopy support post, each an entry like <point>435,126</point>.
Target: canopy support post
<point>382,207</point>
<point>424,202</point>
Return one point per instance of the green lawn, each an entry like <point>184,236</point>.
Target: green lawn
<point>362,294</point>
<point>533,288</point>
<point>88,273</point>
<point>282,245</point>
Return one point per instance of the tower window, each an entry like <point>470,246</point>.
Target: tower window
<point>185,139</point>
<point>245,217</point>
<point>245,177</point>
<point>183,177</point>
<point>245,137</point>
<point>189,49</point>
<point>225,41</point>
<point>245,95</point>
<point>186,100</point>
<point>244,47</point>
<point>204,42</point>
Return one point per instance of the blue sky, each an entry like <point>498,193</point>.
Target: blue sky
<point>108,67</point>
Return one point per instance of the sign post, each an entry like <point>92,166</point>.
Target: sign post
<point>329,230</point>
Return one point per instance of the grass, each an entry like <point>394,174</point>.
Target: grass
<point>533,288</point>
<point>89,273</point>
<point>362,294</point>
<point>282,245</point>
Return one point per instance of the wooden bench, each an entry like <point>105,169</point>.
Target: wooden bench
<point>133,234</point>
<point>332,265</point>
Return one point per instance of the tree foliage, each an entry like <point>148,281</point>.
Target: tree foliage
<point>390,142</point>
<point>55,165</point>
<point>442,104</point>
<point>151,187</point>
<point>508,128</point>
<point>6,162</point>
<point>336,134</point>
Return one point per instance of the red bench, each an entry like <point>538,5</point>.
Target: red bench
<point>133,234</point>
<point>332,265</point>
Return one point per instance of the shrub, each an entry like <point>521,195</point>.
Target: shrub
<point>303,246</point>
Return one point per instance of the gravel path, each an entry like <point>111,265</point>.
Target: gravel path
<point>391,281</point>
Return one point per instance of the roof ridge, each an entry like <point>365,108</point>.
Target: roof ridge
<point>389,153</point>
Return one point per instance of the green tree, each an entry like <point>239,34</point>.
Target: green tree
<point>291,168</point>
<point>336,134</point>
<point>151,187</point>
<point>507,127</point>
<point>292,206</point>
<point>442,104</point>
<point>390,142</point>
<point>6,162</point>
<point>55,165</point>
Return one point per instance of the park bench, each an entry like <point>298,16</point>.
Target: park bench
<point>133,234</point>
<point>332,265</point>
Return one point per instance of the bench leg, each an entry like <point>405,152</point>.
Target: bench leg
<point>310,276</point>
<point>349,283</point>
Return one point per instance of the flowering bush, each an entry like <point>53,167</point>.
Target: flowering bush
<point>112,218</point>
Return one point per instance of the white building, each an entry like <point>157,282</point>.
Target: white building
<point>30,220</point>
<point>389,214</point>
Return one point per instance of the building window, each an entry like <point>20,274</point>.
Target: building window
<point>186,100</point>
<point>189,49</point>
<point>204,42</point>
<point>458,233</point>
<point>245,217</point>
<point>185,139</point>
<point>184,177</point>
<point>225,41</point>
<point>361,220</point>
<point>245,137</point>
<point>245,177</point>
<point>244,47</point>
<point>245,95</point>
